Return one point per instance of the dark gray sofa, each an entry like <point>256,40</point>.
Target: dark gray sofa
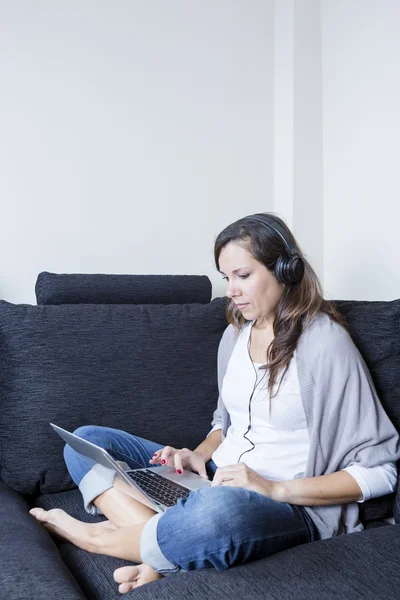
<point>139,353</point>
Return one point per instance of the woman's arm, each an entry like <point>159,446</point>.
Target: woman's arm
<point>336,488</point>
<point>210,444</point>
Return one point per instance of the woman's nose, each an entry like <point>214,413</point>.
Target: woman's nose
<point>231,290</point>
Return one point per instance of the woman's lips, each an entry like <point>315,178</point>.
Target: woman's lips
<point>242,306</point>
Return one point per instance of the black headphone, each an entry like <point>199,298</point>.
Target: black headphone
<point>288,269</point>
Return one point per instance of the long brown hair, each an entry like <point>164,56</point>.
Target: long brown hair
<point>300,301</point>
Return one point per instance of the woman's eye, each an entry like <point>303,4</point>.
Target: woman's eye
<point>225,278</point>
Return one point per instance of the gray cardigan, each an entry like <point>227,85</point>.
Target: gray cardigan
<point>346,421</point>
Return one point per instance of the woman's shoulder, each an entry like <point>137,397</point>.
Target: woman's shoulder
<point>324,334</point>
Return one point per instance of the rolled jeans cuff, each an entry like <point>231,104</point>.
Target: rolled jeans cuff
<point>98,480</point>
<point>150,550</point>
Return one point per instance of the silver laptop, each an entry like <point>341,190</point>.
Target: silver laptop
<point>162,486</point>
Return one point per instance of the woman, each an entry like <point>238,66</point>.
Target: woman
<point>298,438</point>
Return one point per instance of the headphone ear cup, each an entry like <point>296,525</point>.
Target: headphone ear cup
<point>295,267</point>
<point>279,270</point>
<point>289,270</point>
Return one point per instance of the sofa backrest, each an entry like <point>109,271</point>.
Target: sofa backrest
<point>147,369</point>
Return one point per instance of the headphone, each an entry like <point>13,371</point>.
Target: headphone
<point>288,269</point>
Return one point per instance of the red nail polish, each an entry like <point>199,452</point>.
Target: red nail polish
<point>163,462</point>
<point>179,471</point>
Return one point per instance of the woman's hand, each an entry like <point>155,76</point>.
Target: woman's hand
<point>240,475</point>
<point>180,459</point>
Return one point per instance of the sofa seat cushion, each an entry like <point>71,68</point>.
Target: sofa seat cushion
<point>30,564</point>
<point>147,369</point>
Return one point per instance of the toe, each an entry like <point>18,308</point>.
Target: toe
<point>124,588</point>
<point>38,513</point>
<point>126,574</point>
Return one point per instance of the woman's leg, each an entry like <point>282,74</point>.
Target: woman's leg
<point>221,527</point>
<point>122,504</point>
<point>101,538</point>
<point>119,537</point>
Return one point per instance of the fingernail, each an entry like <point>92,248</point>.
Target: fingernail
<point>179,471</point>
<point>163,461</point>
<point>154,455</point>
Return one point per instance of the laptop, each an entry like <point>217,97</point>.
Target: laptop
<point>162,486</point>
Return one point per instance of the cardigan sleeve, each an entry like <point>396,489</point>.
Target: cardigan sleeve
<point>225,350</point>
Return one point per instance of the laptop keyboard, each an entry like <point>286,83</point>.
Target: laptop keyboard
<point>159,488</point>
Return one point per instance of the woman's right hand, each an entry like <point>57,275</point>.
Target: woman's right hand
<point>180,459</point>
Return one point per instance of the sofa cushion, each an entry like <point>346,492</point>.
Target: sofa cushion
<point>74,288</point>
<point>147,369</point>
<point>31,566</point>
<point>377,509</point>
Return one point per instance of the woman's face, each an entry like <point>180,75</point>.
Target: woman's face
<point>255,290</point>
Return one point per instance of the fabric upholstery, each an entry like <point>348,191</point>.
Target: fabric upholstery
<point>30,564</point>
<point>376,509</point>
<point>74,288</point>
<point>148,369</point>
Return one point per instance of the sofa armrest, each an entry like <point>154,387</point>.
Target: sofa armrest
<point>31,566</point>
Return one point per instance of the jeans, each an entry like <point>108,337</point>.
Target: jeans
<point>214,527</point>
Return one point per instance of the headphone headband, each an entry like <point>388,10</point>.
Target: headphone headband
<point>261,218</point>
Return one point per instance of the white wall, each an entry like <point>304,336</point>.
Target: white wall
<point>131,133</point>
<point>337,132</point>
<point>298,123</point>
<point>361,148</point>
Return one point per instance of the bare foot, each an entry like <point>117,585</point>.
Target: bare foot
<point>132,577</point>
<point>61,524</point>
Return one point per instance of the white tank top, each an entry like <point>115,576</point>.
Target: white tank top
<point>281,440</point>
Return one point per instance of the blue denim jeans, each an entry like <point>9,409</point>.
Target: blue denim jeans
<point>214,527</point>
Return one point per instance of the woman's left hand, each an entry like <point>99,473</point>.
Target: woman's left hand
<point>240,475</point>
